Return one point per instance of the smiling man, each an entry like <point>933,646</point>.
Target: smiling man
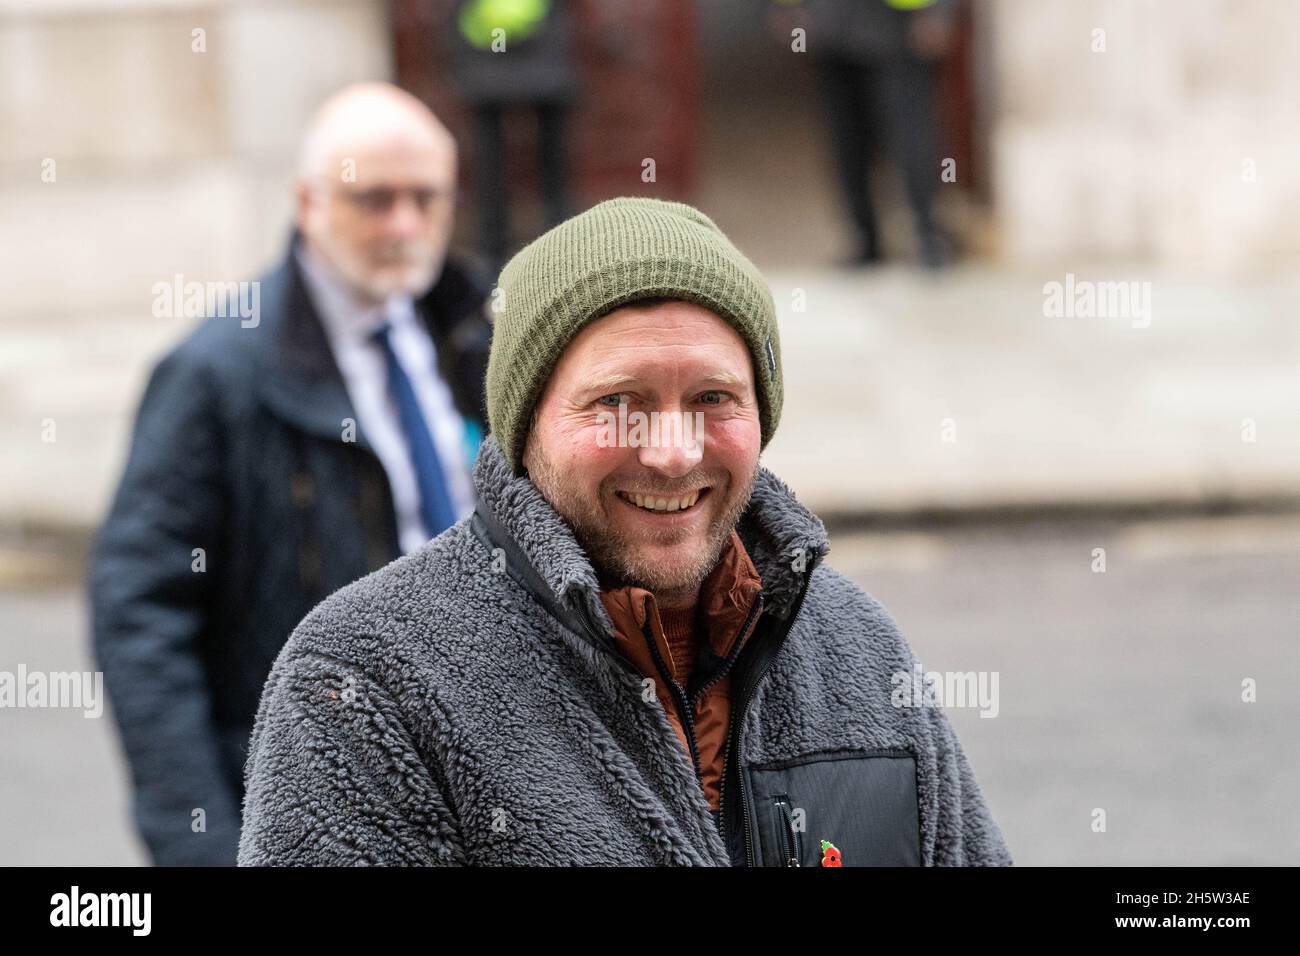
<point>633,652</point>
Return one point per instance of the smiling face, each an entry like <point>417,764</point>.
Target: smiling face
<point>655,513</point>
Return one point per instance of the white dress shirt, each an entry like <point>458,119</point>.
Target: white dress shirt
<point>348,327</point>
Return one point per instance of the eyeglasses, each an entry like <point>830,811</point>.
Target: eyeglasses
<point>379,200</point>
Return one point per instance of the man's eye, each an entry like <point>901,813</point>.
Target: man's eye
<point>617,399</point>
<point>707,397</point>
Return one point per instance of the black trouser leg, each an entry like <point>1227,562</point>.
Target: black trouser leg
<point>493,197</point>
<point>907,98</point>
<point>553,160</point>
<point>848,112</point>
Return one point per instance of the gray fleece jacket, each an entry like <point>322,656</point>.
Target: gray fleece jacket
<point>466,705</point>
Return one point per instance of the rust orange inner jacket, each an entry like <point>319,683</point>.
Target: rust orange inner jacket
<point>722,616</point>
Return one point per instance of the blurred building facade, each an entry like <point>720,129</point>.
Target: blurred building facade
<point>1146,130</point>
<point>152,138</point>
<point>144,139</point>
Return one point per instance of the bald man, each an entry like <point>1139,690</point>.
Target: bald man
<point>280,456</point>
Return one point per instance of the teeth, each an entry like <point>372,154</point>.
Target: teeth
<point>653,503</point>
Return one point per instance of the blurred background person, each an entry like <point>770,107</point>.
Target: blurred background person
<point>514,56</point>
<point>277,460</point>
<point>877,62</point>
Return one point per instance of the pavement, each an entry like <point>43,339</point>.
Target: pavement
<point>1117,690</point>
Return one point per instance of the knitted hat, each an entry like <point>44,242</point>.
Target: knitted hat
<point>617,252</point>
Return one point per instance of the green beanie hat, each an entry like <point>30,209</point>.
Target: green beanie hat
<point>617,252</point>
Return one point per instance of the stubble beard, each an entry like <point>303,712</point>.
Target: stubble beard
<point>614,555</point>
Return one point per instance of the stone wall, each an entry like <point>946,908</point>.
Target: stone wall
<point>1175,145</point>
<point>137,148</point>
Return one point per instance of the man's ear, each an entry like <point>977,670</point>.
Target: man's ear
<point>302,201</point>
<point>526,455</point>
<point>528,440</point>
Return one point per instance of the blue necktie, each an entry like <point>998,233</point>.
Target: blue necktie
<point>436,508</point>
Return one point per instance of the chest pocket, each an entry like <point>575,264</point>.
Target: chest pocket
<point>861,802</point>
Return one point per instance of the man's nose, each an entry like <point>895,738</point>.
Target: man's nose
<point>406,218</point>
<point>674,445</point>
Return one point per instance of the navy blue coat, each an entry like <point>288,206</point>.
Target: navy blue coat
<point>239,450</point>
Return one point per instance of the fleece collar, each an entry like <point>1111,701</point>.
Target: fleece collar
<point>784,539</point>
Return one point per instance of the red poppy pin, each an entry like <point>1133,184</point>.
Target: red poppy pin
<point>830,854</point>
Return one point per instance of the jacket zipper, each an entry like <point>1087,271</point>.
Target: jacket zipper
<point>791,844</point>
<point>601,638</point>
<point>740,730</point>
<point>687,706</point>
<point>684,706</point>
